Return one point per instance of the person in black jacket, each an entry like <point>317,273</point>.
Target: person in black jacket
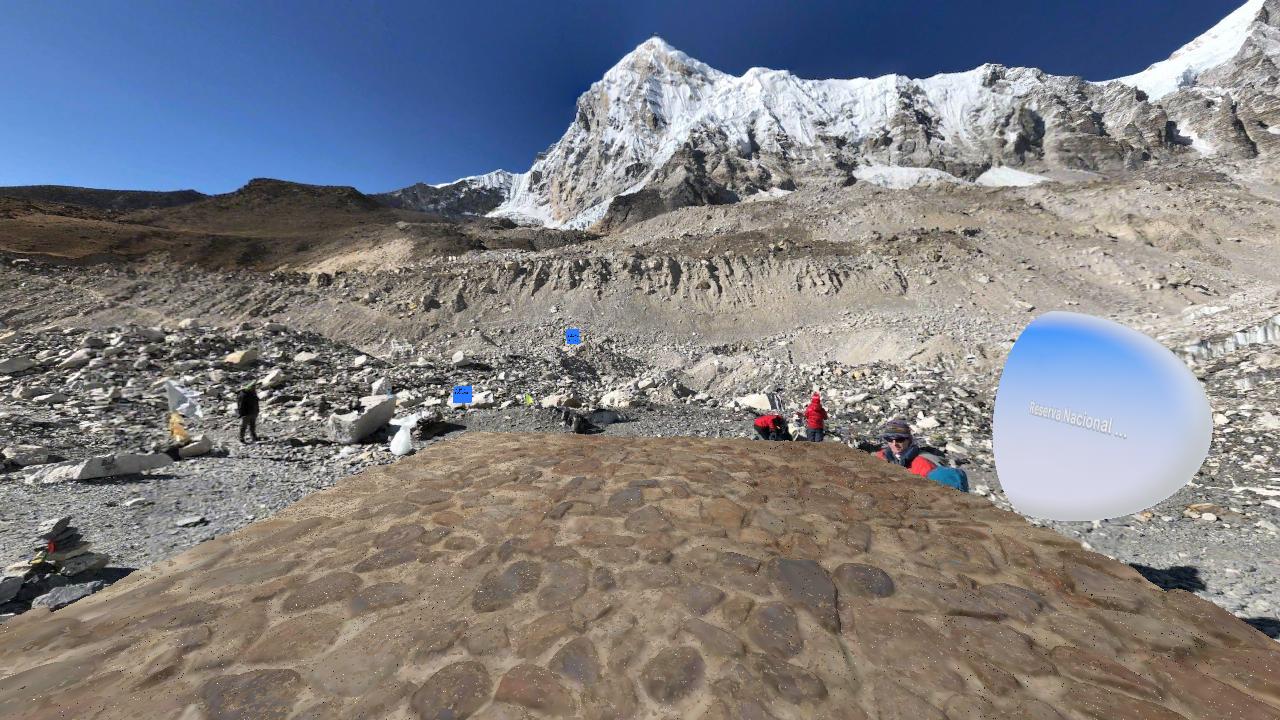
<point>247,410</point>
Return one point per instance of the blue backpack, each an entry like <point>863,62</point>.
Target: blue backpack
<point>951,477</point>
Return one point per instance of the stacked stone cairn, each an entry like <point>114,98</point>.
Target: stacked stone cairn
<point>57,575</point>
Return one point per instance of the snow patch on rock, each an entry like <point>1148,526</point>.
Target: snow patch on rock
<point>1009,177</point>
<point>1215,47</point>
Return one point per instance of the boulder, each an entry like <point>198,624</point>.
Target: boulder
<point>305,358</point>
<point>27,455</point>
<point>200,445</point>
<point>30,392</point>
<point>9,587</point>
<point>87,562</point>
<point>77,359</point>
<point>67,594</point>
<point>381,386</point>
<point>562,400</point>
<point>274,327</point>
<point>275,378</point>
<point>187,324</point>
<point>755,401</point>
<point>621,398</point>
<point>242,358</point>
<point>352,427</point>
<point>102,466</point>
<point>56,398</point>
<point>18,364</point>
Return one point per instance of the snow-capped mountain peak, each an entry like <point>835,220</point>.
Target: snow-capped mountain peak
<point>1215,47</point>
<point>661,130</point>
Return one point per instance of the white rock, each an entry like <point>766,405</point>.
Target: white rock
<point>56,398</point>
<point>199,445</point>
<point>28,393</point>
<point>305,358</point>
<point>561,400</point>
<point>1208,517</point>
<point>381,386</point>
<point>352,427</point>
<point>755,401</point>
<point>620,398</point>
<point>1267,421</point>
<point>187,323</point>
<point>136,502</point>
<point>927,423</point>
<point>273,379</point>
<point>98,467</point>
<point>242,358</point>
<point>360,361</point>
<point>1220,419</point>
<point>274,327</point>
<point>27,455</point>
<point>459,357</point>
<point>13,365</point>
<point>8,336</point>
<point>645,384</point>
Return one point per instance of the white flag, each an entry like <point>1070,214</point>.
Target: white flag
<point>182,400</point>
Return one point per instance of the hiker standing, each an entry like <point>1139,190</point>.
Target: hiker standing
<point>247,411</point>
<point>815,419</point>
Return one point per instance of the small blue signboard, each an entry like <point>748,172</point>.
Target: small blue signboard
<point>461,394</point>
<point>573,336</point>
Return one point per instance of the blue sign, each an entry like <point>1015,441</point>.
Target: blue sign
<point>461,394</point>
<point>573,336</point>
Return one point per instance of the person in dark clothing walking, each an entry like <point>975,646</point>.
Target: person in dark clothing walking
<point>247,410</point>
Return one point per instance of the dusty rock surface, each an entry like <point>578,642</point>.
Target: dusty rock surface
<point>519,575</point>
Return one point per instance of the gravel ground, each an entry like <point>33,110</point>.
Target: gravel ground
<point>1232,564</point>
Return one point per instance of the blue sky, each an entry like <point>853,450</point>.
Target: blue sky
<point>154,94</point>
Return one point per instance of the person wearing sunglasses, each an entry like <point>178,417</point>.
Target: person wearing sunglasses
<point>900,448</point>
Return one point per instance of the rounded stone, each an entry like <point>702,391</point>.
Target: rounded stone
<point>454,693</point>
<point>331,588</point>
<point>866,581</point>
<point>773,627</point>
<point>297,638</point>
<point>536,688</point>
<point>381,595</point>
<point>673,674</point>
<point>791,683</point>
<point>499,589</point>
<point>398,536</point>
<point>806,583</point>
<point>565,582</point>
<point>254,695</point>
<point>578,661</point>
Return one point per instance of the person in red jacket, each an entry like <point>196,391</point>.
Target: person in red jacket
<point>772,427</point>
<point>815,419</point>
<point>900,448</point>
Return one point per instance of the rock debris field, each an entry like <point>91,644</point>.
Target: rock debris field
<point>504,575</point>
<point>83,394</point>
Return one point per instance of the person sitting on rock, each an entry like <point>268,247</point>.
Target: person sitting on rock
<point>247,411</point>
<point>815,419</point>
<point>772,427</point>
<point>900,448</point>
